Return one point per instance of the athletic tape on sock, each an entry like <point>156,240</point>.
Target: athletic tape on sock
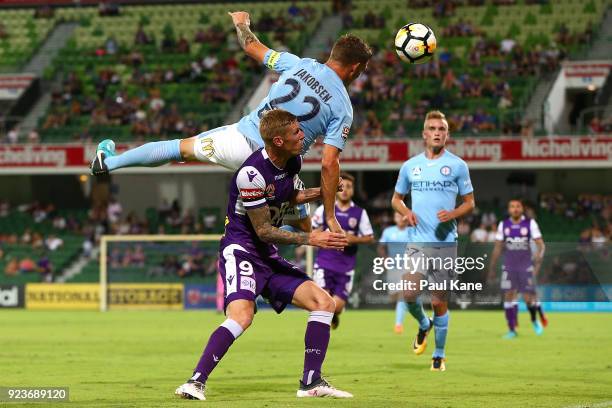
<point>233,327</point>
<point>321,317</point>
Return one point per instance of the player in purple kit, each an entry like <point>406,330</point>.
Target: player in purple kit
<point>334,270</point>
<point>261,191</point>
<point>520,266</point>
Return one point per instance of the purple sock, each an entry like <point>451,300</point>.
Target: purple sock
<point>218,344</point>
<point>316,341</point>
<point>510,315</point>
<point>515,308</point>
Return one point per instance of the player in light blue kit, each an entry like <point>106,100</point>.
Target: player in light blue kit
<point>314,92</point>
<point>393,242</point>
<point>433,179</point>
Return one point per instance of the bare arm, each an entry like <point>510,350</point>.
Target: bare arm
<point>306,196</point>
<point>262,223</point>
<point>330,176</point>
<point>365,239</point>
<point>497,250</point>
<point>398,204</point>
<point>539,256</point>
<point>381,250</point>
<point>248,41</point>
<point>466,207</point>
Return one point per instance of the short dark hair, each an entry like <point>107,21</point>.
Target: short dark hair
<point>350,49</point>
<point>519,199</point>
<point>275,123</point>
<point>347,176</point>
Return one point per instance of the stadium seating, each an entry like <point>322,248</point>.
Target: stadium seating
<point>24,35</point>
<point>201,96</point>
<point>17,223</point>
<point>532,26</point>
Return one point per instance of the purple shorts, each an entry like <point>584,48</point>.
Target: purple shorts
<point>336,283</point>
<point>520,281</point>
<point>247,275</point>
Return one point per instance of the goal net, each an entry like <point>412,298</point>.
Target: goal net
<point>167,272</point>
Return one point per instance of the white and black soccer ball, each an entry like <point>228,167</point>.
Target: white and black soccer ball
<point>415,43</point>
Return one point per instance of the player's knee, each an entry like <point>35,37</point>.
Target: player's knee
<point>323,301</point>
<point>186,146</point>
<point>244,317</point>
<point>437,303</point>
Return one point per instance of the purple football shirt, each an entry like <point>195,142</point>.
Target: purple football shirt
<point>516,237</point>
<point>256,183</point>
<point>353,220</point>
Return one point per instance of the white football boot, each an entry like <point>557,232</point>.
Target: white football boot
<point>321,388</point>
<point>191,390</point>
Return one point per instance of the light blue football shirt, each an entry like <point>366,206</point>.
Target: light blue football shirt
<point>395,240</point>
<point>433,186</point>
<point>311,91</point>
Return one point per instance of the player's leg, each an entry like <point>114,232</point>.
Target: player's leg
<point>439,301</point>
<point>321,306</point>
<point>325,280</point>
<point>510,312</point>
<point>415,306</point>
<point>530,301</point>
<point>400,311</point>
<point>342,288</point>
<point>439,304</point>
<point>243,279</point>
<point>527,289</point>
<point>510,284</point>
<point>225,146</point>
<point>239,317</point>
<point>543,318</point>
<point>397,298</point>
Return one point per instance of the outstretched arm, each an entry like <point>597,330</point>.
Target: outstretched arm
<point>262,223</point>
<point>330,176</point>
<point>248,41</point>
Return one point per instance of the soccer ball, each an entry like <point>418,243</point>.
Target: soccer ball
<point>415,43</point>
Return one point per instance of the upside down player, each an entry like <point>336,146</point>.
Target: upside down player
<point>314,92</point>
<point>520,267</point>
<point>260,193</point>
<point>334,270</point>
<point>433,178</point>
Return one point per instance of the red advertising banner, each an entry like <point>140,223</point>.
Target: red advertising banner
<point>556,152</point>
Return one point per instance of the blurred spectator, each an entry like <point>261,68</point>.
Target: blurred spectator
<point>480,234</point>
<point>114,210</point>
<point>33,137</point>
<point>492,233</point>
<point>13,135</point>
<point>53,242</point>
<point>12,267</point>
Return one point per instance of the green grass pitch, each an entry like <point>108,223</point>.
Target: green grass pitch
<point>137,359</point>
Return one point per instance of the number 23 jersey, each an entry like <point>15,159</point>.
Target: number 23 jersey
<point>258,182</point>
<point>311,91</point>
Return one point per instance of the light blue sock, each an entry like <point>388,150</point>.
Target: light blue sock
<point>416,310</point>
<point>148,155</point>
<point>400,312</point>
<point>440,328</point>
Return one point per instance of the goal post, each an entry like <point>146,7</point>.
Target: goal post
<point>130,265</point>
